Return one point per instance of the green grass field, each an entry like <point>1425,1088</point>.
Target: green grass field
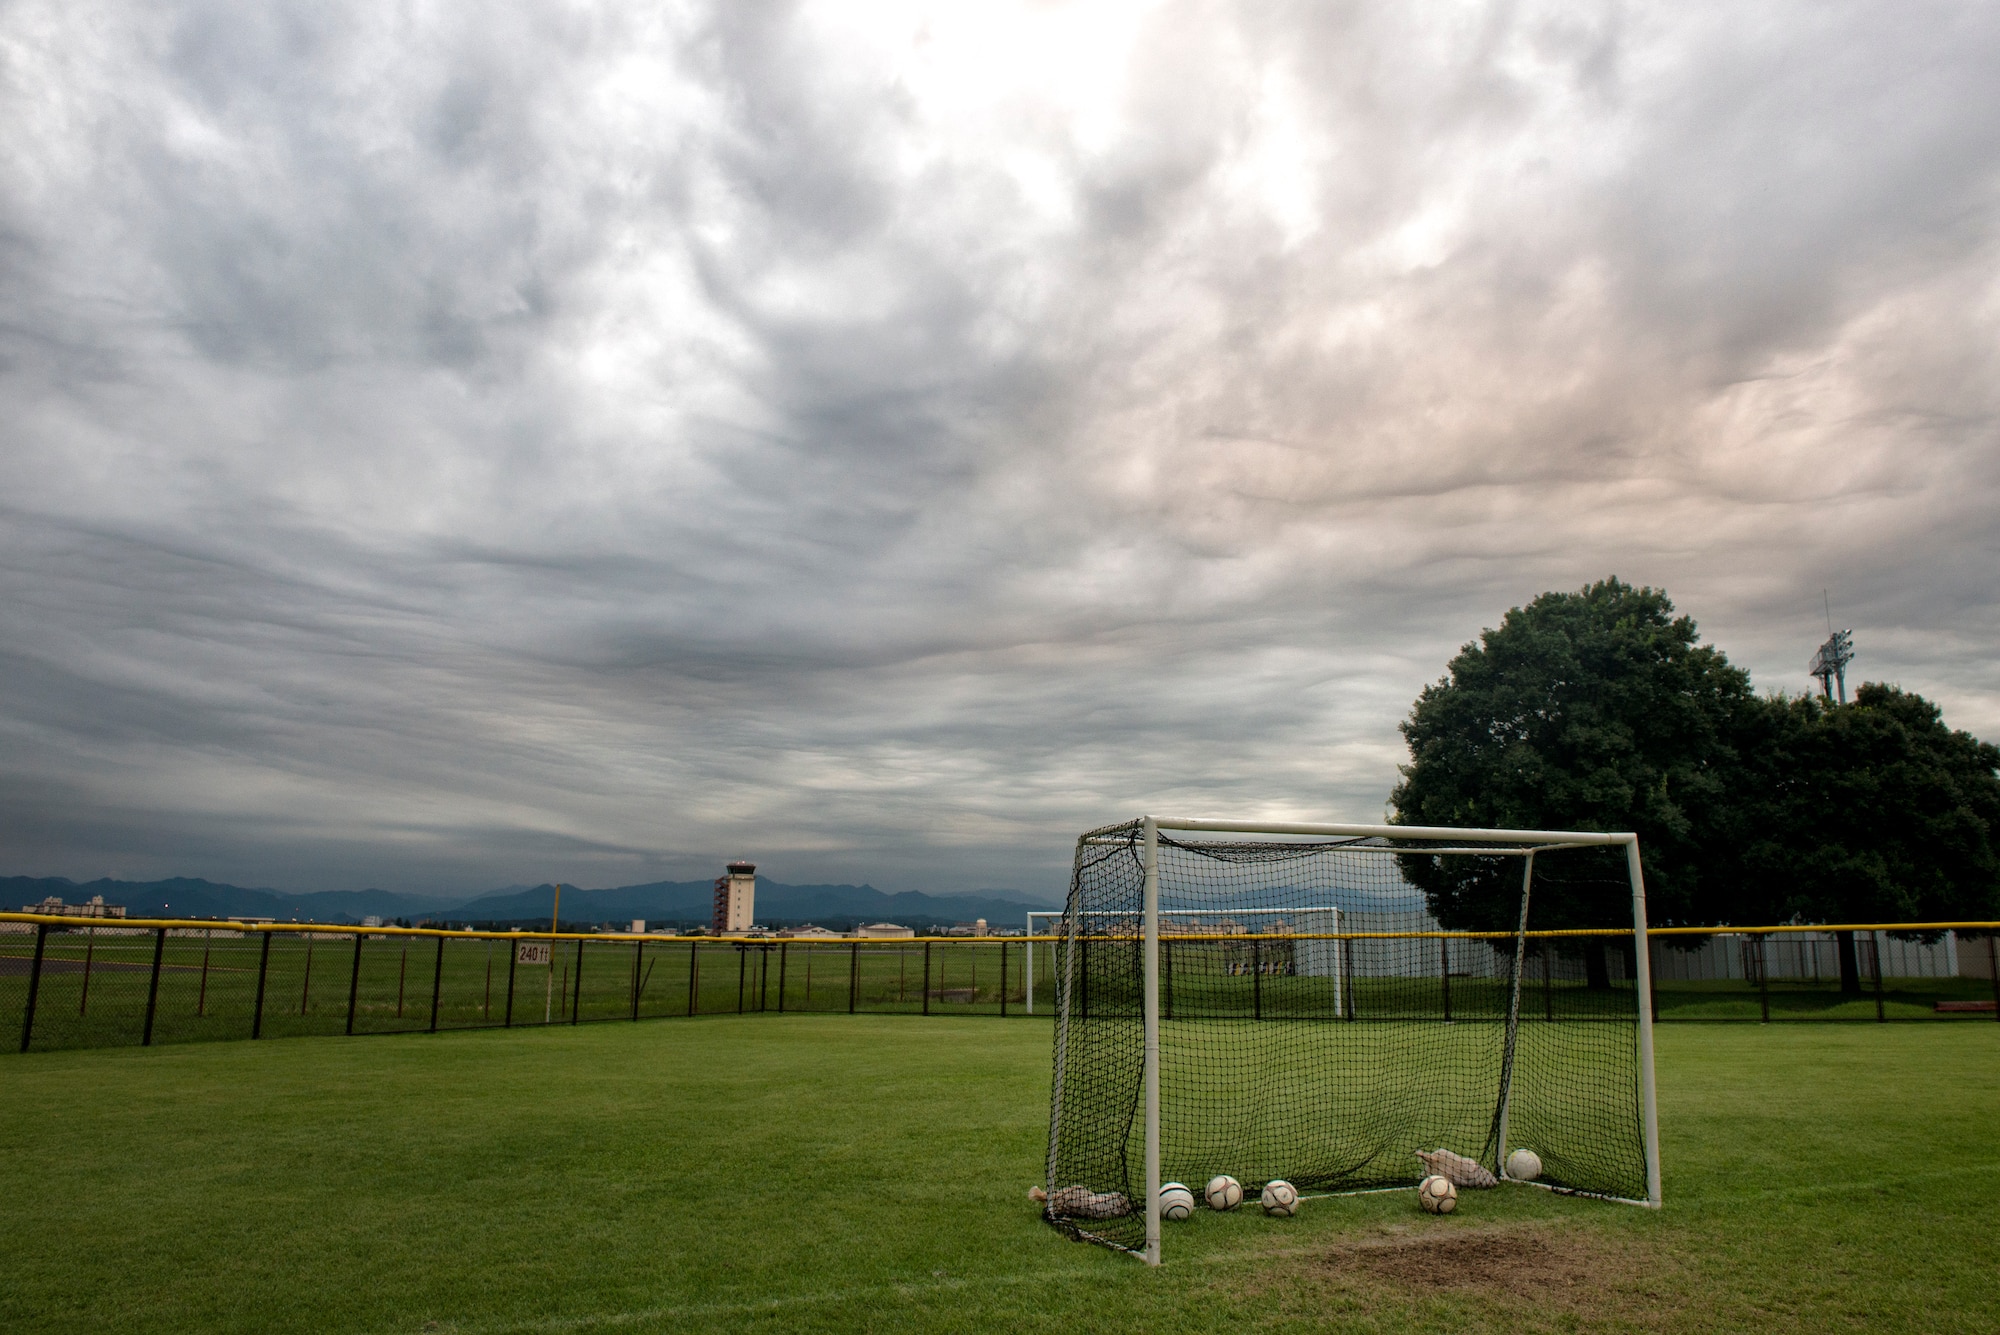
<point>828,1173</point>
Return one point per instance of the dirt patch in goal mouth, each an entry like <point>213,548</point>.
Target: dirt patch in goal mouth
<point>1571,1268</point>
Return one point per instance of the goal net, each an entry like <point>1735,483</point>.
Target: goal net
<point>1320,1003</point>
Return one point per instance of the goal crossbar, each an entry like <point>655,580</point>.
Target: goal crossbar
<point>1423,833</point>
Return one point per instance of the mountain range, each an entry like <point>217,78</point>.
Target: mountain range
<point>658,902</point>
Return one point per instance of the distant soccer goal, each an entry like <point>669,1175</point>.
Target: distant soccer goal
<point>1315,955</point>
<point>1281,1002</point>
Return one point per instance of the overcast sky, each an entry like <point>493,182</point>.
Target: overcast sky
<point>449,445</point>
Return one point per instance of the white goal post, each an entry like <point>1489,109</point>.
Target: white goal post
<point>1143,839</point>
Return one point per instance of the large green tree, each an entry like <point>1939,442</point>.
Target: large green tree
<point>1593,710</point>
<point>1870,812</point>
<point>1601,710</point>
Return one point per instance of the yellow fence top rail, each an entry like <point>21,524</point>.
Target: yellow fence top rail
<point>1555,933</point>
<point>79,921</point>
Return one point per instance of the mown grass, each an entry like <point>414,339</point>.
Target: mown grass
<point>828,1173</point>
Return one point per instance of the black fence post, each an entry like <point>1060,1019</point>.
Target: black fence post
<point>927,977</point>
<point>1992,972</point>
<point>742,973</point>
<point>763,978</point>
<point>513,959</point>
<point>305,988</point>
<point>201,997</point>
<point>1444,972</point>
<point>263,969</point>
<point>1003,978</point>
<point>694,975</point>
<point>89,948</point>
<point>1257,982</point>
<point>437,982</point>
<point>576,998</point>
<point>638,953</point>
<point>853,975</point>
<point>1764,976</point>
<point>354,982</point>
<point>784,949</point>
<point>1875,939</point>
<point>34,984</point>
<point>153,987</point>
<point>1347,977</point>
<point>1083,974</point>
<point>1653,972</point>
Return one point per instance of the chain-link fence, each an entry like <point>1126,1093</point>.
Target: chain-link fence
<point>72,983</point>
<point>1884,973</point>
<point>87,983</point>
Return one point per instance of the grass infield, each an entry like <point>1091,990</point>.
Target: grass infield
<point>835,1173</point>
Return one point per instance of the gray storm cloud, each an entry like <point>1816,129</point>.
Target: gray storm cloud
<point>462,445</point>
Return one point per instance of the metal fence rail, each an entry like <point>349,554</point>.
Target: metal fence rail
<point>1895,972</point>
<point>73,983</point>
<point>69,982</point>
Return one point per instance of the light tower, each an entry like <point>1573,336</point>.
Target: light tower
<point>1829,664</point>
<point>735,899</point>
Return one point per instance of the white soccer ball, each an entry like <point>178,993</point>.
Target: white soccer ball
<point>1176,1201</point>
<point>1280,1198</point>
<point>1223,1192</point>
<point>1524,1165</point>
<point>1437,1195</point>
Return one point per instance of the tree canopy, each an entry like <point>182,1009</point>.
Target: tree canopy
<point>1873,812</point>
<point>1601,710</point>
<point>1594,710</point>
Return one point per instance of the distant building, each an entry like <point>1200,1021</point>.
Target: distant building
<point>977,927</point>
<point>372,920</point>
<point>638,926</point>
<point>810,932</point>
<point>884,929</point>
<point>735,899</point>
<point>96,908</point>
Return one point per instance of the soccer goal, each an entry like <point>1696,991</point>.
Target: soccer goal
<point>1319,1003</point>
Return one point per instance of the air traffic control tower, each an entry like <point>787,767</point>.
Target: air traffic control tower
<point>735,899</point>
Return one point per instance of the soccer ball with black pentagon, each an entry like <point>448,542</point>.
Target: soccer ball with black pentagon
<point>1279,1198</point>
<point>1223,1192</point>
